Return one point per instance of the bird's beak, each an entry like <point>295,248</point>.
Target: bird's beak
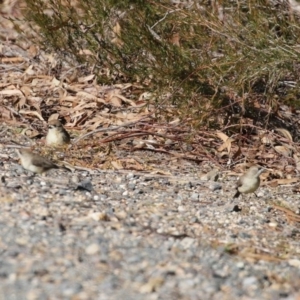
<point>262,170</point>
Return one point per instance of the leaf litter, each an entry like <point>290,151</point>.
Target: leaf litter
<point>107,119</point>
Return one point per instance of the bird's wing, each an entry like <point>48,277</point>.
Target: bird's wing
<point>43,162</point>
<point>67,135</point>
<point>239,182</point>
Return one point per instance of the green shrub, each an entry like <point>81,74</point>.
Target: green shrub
<point>199,59</point>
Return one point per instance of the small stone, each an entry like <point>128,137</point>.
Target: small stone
<point>294,263</point>
<point>130,176</point>
<point>63,192</point>
<point>213,175</point>
<point>178,200</point>
<point>260,194</point>
<point>99,216</point>
<point>240,265</point>
<point>181,208</point>
<point>22,241</point>
<point>71,289</point>
<point>169,142</point>
<point>13,184</point>
<point>92,249</point>
<point>214,186</point>
<point>187,242</point>
<point>121,215</point>
<point>74,179</point>
<point>131,186</point>
<point>248,281</point>
<point>152,285</point>
<point>245,235</point>
<point>33,294</point>
<point>42,211</point>
<point>232,207</point>
<point>138,192</point>
<point>103,197</point>
<point>85,185</point>
<point>194,197</point>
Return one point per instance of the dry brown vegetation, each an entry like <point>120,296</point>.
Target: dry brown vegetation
<point>200,81</point>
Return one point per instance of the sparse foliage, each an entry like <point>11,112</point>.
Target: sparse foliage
<point>198,57</point>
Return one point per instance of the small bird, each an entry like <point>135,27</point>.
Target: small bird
<point>34,162</point>
<point>57,135</point>
<point>249,182</point>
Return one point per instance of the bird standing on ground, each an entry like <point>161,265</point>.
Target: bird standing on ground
<point>249,182</point>
<point>57,135</point>
<point>34,162</point>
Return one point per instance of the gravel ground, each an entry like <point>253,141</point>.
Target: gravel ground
<point>129,235</point>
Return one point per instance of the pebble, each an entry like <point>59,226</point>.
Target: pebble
<point>249,281</point>
<point>294,263</point>
<point>131,186</point>
<point>92,249</point>
<point>181,208</point>
<point>214,186</point>
<point>141,237</point>
<point>195,197</point>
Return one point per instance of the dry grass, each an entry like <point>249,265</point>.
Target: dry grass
<point>207,61</point>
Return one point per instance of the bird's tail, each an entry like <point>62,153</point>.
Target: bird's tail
<point>237,194</point>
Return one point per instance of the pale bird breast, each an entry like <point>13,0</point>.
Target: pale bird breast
<point>55,137</point>
<point>27,164</point>
<point>250,186</point>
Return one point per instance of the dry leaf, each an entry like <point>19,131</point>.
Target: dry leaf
<point>222,136</point>
<point>286,152</point>
<point>86,96</point>
<point>26,90</point>
<point>161,172</point>
<point>237,153</point>
<point>227,145</point>
<point>5,113</point>
<point>55,82</point>
<point>117,29</point>
<point>112,93</point>
<point>32,133</point>
<point>285,133</point>
<point>12,60</point>
<point>83,106</point>
<point>117,164</point>
<point>29,71</point>
<point>146,96</point>
<point>86,78</point>
<point>297,161</point>
<point>29,112</point>
<point>53,117</point>
<point>132,164</point>
<point>284,181</point>
<point>33,51</point>
<point>152,285</point>
<point>94,123</point>
<point>86,52</point>
<point>52,60</point>
<point>175,121</point>
<point>11,93</point>
<point>267,155</point>
<point>115,101</point>
<point>175,39</point>
<point>266,140</point>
